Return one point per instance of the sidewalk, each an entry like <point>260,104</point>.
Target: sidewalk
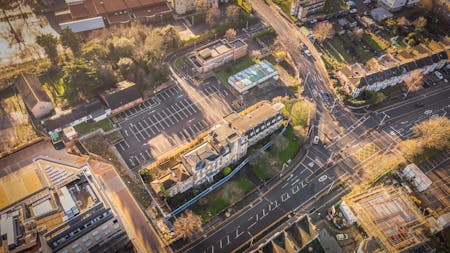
<point>138,227</point>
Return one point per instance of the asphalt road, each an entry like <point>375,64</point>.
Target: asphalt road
<point>169,119</point>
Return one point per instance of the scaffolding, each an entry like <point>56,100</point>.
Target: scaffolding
<point>389,214</point>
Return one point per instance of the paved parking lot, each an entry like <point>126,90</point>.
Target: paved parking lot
<point>170,118</point>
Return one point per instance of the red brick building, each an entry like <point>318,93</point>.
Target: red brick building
<point>84,15</point>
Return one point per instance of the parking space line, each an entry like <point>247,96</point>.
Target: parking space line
<point>195,126</point>
<point>186,134</point>
<point>166,117</point>
<point>163,121</point>
<point>181,110</point>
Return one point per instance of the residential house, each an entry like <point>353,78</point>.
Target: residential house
<point>303,8</point>
<point>34,96</point>
<point>125,96</point>
<point>226,143</point>
<point>216,54</point>
<point>397,5</point>
<point>380,14</point>
<point>182,7</point>
<point>94,110</point>
<point>387,70</point>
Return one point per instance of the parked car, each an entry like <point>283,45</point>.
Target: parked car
<point>316,140</point>
<point>438,75</point>
<point>419,104</point>
<point>341,237</point>
<point>308,53</point>
<point>353,11</point>
<point>313,21</point>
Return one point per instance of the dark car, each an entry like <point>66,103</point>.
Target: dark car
<point>419,104</point>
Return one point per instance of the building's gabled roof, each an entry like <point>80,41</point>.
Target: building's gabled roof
<point>31,90</point>
<point>126,93</point>
<point>94,108</point>
<point>198,157</point>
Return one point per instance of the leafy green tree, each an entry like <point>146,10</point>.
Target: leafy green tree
<point>170,37</point>
<point>93,51</point>
<point>226,171</point>
<point>120,47</point>
<point>420,23</point>
<point>80,76</point>
<point>146,175</point>
<point>71,40</point>
<point>49,43</point>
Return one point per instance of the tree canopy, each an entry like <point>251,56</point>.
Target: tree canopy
<point>71,40</point>
<point>187,224</point>
<point>49,43</point>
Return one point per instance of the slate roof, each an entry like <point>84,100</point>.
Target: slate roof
<point>31,90</point>
<point>94,108</point>
<point>398,70</point>
<point>123,95</point>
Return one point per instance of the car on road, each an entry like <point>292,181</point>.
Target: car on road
<point>341,237</point>
<point>308,53</point>
<point>419,104</point>
<point>438,75</point>
<point>316,140</point>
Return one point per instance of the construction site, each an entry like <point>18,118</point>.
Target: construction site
<point>389,215</point>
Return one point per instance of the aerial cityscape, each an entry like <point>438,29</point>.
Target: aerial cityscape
<point>219,126</point>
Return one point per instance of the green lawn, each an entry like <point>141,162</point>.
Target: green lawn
<point>285,6</point>
<point>244,184</point>
<point>261,171</point>
<point>300,112</point>
<point>374,42</point>
<point>91,126</point>
<point>233,67</point>
<point>223,197</point>
<point>291,149</point>
<point>352,51</point>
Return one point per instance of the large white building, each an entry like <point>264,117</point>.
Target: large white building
<point>303,8</point>
<point>226,143</point>
<point>182,7</point>
<point>396,5</point>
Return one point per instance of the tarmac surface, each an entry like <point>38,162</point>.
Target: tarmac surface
<point>169,119</point>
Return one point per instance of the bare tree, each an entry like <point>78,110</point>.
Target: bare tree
<point>358,33</point>
<point>434,133</point>
<point>230,34</point>
<point>232,13</point>
<point>420,23</point>
<point>187,224</point>
<point>201,6</point>
<point>402,21</point>
<point>414,81</point>
<point>410,148</point>
<point>323,31</point>
<point>212,16</point>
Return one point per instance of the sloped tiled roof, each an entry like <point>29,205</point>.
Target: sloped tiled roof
<point>122,96</point>
<point>31,90</point>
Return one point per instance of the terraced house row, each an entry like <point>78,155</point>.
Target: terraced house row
<point>226,143</point>
<point>389,70</point>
